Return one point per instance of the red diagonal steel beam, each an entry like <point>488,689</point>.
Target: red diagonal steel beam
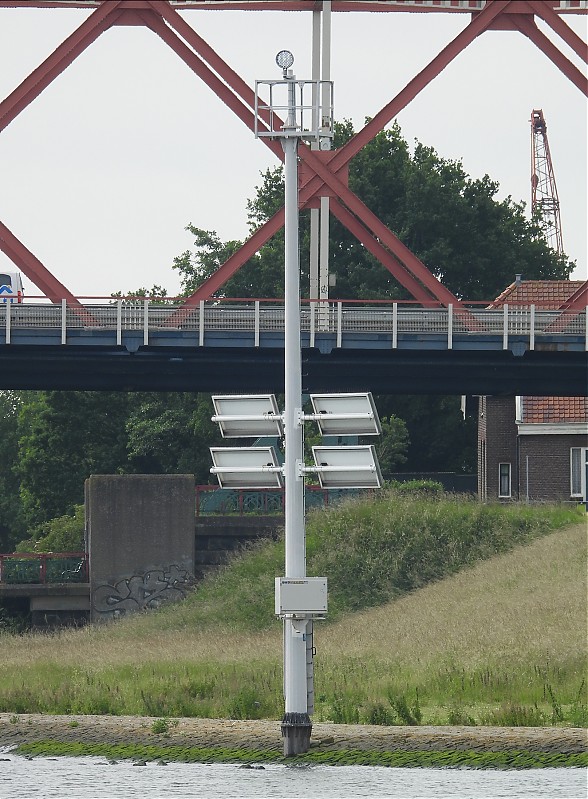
<point>18,100</point>
<point>371,244</point>
<point>570,309</point>
<point>231,78</point>
<point>58,61</point>
<point>477,26</point>
<point>342,156</point>
<point>408,259</point>
<point>563,30</point>
<point>154,21</point>
<point>228,269</point>
<point>547,46</point>
<point>208,54</point>
<point>39,274</point>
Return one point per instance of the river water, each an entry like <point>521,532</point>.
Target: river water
<point>95,778</point>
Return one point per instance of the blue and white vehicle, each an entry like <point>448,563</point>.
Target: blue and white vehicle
<point>11,289</point>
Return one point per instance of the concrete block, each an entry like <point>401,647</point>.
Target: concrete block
<point>140,541</point>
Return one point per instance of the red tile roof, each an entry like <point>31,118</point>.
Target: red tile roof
<point>548,294</point>
<point>551,410</point>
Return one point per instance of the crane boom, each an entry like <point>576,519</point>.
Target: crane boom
<point>544,199</point>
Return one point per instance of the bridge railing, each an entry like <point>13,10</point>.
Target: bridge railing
<point>226,501</point>
<point>267,316</point>
<point>41,568</point>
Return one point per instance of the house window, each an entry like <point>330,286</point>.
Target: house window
<point>578,459</point>
<point>504,480</point>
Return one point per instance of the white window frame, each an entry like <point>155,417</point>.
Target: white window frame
<point>583,457</point>
<point>500,494</point>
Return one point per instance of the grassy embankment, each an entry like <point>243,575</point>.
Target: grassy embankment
<point>442,611</point>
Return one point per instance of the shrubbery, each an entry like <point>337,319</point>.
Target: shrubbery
<point>372,551</point>
<point>64,534</point>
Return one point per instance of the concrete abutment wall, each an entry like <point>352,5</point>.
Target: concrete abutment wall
<point>140,532</point>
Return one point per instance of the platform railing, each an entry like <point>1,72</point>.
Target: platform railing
<point>211,499</point>
<point>41,568</point>
<point>336,318</point>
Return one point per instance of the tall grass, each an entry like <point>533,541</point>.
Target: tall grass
<point>412,634</point>
<point>372,551</point>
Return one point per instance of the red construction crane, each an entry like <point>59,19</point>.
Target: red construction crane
<point>544,199</point>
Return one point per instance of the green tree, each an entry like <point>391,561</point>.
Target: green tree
<point>470,240</point>
<point>171,433</point>
<point>196,267</point>
<point>64,437</point>
<point>440,439</point>
<point>10,505</point>
<point>155,291</point>
<point>64,534</point>
<point>392,445</point>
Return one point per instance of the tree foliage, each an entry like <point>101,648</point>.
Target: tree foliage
<point>392,445</point>
<point>64,534</point>
<point>171,434</point>
<point>470,240</point>
<point>64,436</point>
<point>10,508</point>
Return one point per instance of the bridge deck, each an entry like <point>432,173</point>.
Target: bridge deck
<point>345,347</point>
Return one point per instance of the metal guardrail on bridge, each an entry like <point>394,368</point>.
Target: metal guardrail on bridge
<point>152,323</point>
<point>42,568</point>
<point>211,499</point>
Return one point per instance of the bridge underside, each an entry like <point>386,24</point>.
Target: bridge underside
<point>548,372</point>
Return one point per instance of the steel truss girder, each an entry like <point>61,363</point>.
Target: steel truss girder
<point>579,299</point>
<point>420,6</point>
<point>573,306</point>
<point>436,290</point>
<point>24,258</point>
<point>340,159</point>
<point>403,264</point>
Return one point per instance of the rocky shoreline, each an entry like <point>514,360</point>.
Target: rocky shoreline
<point>265,735</point>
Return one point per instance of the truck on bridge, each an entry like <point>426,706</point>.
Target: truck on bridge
<point>11,289</point>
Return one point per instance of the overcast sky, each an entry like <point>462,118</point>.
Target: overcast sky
<point>103,171</point>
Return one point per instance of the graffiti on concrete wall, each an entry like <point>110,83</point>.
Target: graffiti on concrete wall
<point>142,591</point>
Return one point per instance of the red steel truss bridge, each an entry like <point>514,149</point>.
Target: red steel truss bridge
<point>323,173</point>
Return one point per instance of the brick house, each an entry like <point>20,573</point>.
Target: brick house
<point>533,448</point>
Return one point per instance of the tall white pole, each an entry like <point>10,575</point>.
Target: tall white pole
<point>314,212</point>
<point>296,726</point>
<point>325,144</point>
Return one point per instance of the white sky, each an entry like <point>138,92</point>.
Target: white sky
<point>103,171</point>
